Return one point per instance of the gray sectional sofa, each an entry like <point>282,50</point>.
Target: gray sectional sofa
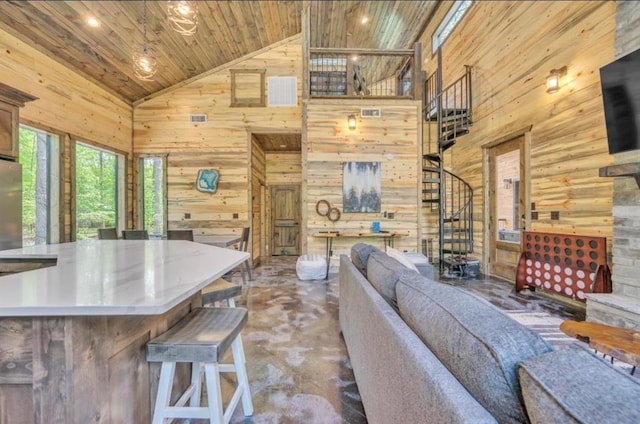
<point>427,352</point>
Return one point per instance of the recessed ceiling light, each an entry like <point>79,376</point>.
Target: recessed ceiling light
<point>283,146</point>
<point>364,20</point>
<point>93,22</point>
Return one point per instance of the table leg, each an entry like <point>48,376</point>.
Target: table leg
<point>328,253</point>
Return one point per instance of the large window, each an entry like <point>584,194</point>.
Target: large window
<point>99,190</point>
<point>40,159</point>
<point>451,19</point>
<point>153,194</point>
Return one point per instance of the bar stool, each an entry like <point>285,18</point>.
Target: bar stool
<point>219,290</point>
<point>202,338</point>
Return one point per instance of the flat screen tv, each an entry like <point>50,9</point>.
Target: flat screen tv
<point>621,97</point>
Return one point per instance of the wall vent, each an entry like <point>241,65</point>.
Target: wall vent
<point>370,112</point>
<point>283,91</point>
<point>197,118</point>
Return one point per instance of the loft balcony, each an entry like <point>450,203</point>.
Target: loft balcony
<point>365,73</point>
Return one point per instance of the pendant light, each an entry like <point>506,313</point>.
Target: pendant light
<point>145,63</point>
<point>183,16</point>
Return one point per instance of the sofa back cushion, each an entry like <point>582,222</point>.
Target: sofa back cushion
<point>360,256</point>
<point>572,385</point>
<point>478,343</point>
<point>383,273</point>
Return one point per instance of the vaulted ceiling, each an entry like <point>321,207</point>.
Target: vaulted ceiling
<point>227,30</point>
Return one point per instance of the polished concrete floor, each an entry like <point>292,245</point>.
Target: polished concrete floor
<point>298,366</point>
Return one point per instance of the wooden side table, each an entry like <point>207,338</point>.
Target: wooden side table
<point>619,343</point>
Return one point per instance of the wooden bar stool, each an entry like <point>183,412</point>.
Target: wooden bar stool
<point>202,338</point>
<point>219,290</point>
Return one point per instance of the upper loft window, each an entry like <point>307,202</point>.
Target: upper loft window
<point>451,19</point>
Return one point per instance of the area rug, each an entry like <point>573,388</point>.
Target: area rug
<point>548,327</point>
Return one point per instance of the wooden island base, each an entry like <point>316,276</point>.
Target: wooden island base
<point>82,369</point>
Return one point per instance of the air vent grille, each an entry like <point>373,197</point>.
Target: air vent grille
<point>282,91</point>
<point>197,118</point>
<point>370,113</point>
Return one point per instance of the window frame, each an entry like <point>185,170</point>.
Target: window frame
<point>120,186</point>
<point>449,23</point>
<point>140,190</point>
<point>53,182</point>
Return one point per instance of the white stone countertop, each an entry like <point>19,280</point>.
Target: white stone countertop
<point>112,277</point>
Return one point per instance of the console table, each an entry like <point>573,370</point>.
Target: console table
<point>329,236</point>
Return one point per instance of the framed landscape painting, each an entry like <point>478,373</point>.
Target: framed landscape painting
<point>361,187</point>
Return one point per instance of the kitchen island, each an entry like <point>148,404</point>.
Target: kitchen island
<point>73,335</point>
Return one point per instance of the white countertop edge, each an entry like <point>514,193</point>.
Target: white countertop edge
<point>114,310</point>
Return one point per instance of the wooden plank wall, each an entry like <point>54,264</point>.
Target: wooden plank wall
<point>161,126</point>
<point>626,196</point>
<point>284,168</point>
<point>258,178</point>
<point>512,46</point>
<point>69,105</point>
<point>392,140</point>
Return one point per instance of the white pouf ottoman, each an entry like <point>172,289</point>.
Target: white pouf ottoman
<point>311,267</point>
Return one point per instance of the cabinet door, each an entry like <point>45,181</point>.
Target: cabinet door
<point>8,130</point>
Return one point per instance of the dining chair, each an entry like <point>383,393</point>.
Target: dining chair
<point>107,234</point>
<point>180,235</point>
<point>246,265</point>
<point>135,235</point>
<point>244,246</point>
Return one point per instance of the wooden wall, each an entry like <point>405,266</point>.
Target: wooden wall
<point>258,177</point>
<point>626,195</point>
<point>68,105</point>
<point>161,126</point>
<point>393,140</point>
<point>512,46</point>
<point>284,168</point>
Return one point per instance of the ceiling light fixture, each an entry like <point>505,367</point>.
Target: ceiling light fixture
<point>183,16</point>
<point>364,20</point>
<point>145,63</point>
<point>93,22</point>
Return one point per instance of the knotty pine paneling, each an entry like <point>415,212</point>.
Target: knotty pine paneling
<point>161,126</point>
<point>511,47</point>
<point>67,102</point>
<point>258,177</point>
<point>284,168</point>
<point>392,140</point>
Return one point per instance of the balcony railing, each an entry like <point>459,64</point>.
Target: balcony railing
<point>365,73</point>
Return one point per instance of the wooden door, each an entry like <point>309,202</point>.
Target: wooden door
<point>507,194</point>
<point>285,220</point>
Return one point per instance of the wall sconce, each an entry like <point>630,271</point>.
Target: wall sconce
<point>553,80</point>
<point>351,121</point>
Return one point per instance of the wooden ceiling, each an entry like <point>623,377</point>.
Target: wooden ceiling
<point>227,30</point>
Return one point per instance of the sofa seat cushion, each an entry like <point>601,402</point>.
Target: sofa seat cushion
<point>360,256</point>
<point>572,385</point>
<point>478,343</point>
<point>383,273</point>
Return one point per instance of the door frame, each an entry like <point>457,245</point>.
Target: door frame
<point>487,231</point>
<point>271,219</point>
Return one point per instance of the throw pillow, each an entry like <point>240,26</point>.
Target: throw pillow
<point>399,256</point>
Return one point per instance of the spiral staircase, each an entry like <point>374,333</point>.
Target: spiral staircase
<point>445,194</point>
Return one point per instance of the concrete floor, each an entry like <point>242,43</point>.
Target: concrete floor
<point>297,361</point>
